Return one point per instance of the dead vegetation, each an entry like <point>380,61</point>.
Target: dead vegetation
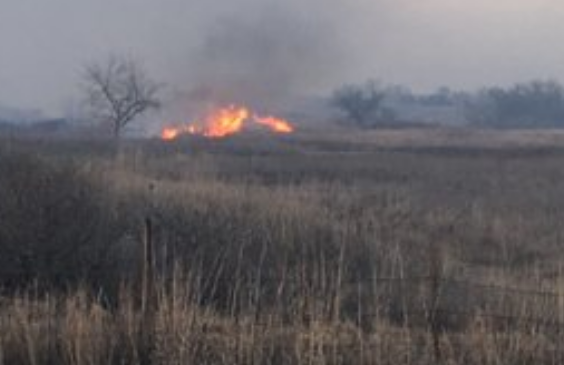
<point>282,251</point>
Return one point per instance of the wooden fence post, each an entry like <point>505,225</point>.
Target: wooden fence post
<point>148,295</point>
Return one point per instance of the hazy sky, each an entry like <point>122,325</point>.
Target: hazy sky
<point>310,45</point>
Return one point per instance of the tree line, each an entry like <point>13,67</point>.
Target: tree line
<point>117,91</point>
<point>537,103</point>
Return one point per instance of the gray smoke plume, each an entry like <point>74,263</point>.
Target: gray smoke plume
<point>264,58</point>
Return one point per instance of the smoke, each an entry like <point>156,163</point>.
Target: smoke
<point>264,57</point>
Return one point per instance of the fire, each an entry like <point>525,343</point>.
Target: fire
<point>170,133</point>
<point>275,124</point>
<point>226,121</point>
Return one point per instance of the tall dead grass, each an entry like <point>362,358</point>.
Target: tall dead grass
<point>278,257</point>
<point>76,329</point>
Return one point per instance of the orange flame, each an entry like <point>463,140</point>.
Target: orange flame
<point>275,124</point>
<point>170,133</point>
<point>224,122</point>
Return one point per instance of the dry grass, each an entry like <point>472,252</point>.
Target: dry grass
<point>81,332</point>
<point>274,251</point>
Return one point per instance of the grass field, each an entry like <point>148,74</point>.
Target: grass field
<point>414,246</point>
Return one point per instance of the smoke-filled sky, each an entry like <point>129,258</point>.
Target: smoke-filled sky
<point>272,48</point>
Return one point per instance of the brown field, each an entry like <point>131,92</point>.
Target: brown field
<point>412,246</point>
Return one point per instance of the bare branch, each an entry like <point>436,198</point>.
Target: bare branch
<point>118,91</point>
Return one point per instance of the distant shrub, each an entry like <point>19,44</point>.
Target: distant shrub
<point>533,104</point>
<point>363,104</point>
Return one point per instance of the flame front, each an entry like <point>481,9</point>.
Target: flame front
<point>224,122</point>
<point>170,133</point>
<point>275,124</point>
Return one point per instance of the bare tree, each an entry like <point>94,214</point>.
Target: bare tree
<point>118,91</point>
<point>363,104</point>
